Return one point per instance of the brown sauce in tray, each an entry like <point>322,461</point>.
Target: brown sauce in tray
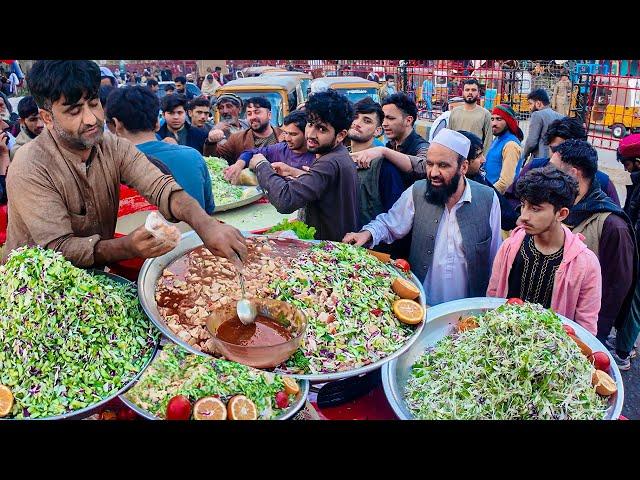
<point>264,332</point>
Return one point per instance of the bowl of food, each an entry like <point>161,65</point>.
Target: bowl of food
<point>479,358</point>
<point>271,339</point>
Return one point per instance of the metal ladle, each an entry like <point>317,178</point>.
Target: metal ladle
<point>246,310</point>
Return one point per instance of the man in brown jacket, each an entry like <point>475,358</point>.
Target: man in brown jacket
<point>63,186</point>
<point>259,134</point>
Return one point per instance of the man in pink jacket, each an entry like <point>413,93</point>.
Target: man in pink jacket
<point>543,261</point>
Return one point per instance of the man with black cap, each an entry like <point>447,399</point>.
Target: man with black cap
<point>503,158</point>
<point>259,134</point>
<point>455,222</point>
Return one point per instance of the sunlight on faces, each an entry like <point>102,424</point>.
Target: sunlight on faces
<point>498,124</point>
<point>396,124</point>
<point>364,127</point>
<point>293,136</point>
<point>199,116</point>
<point>79,125</point>
<point>443,173</point>
<point>175,118</point>
<point>321,136</point>
<point>537,219</point>
<point>258,117</point>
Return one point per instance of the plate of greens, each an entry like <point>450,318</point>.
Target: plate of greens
<point>226,195</point>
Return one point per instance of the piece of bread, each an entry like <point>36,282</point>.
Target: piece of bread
<point>248,178</point>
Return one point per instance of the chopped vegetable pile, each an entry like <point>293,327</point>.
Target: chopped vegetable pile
<point>348,299</point>
<point>178,372</point>
<point>223,192</point>
<point>301,229</point>
<point>68,339</point>
<point>517,364</point>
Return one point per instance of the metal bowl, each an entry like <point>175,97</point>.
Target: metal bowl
<point>152,270</point>
<point>288,413</point>
<point>441,320</point>
<point>250,195</point>
<point>91,409</point>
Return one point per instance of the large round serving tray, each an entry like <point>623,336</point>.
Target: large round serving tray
<point>91,409</point>
<point>288,413</point>
<point>250,195</point>
<point>441,320</point>
<point>153,268</point>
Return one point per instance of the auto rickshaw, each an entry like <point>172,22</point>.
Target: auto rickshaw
<point>304,86</point>
<point>616,104</point>
<point>257,71</point>
<point>354,88</point>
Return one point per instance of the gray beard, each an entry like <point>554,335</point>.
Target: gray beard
<point>75,142</point>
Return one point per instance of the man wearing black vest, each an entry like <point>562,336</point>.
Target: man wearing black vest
<point>452,248</point>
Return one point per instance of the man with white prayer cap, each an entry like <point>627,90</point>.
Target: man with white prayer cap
<point>454,224</point>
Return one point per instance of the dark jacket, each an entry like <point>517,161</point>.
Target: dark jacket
<point>508,214</point>
<point>415,146</point>
<point>195,136</point>
<point>328,192</point>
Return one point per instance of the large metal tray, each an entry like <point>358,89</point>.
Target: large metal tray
<point>290,412</point>
<point>250,195</point>
<point>441,320</point>
<point>153,268</point>
<point>91,409</point>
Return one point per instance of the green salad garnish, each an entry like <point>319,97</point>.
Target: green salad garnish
<point>518,364</point>
<point>301,229</point>
<point>68,339</point>
<point>223,192</point>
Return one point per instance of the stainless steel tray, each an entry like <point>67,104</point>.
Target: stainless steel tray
<point>441,320</point>
<point>251,194</point>
<point>91,409</point>
<point>152,270</point>
<point>290,412</point>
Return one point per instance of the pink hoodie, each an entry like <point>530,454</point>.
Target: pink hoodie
<point>577,288</point>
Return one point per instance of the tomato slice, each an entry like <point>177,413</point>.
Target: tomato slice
<point>569,329</point>
<point>402,264</point>
<point>515,301</point>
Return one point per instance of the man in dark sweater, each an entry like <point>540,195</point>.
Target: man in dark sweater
<point>329,190</point>
<point>174,109</point>
<point>608,233</point>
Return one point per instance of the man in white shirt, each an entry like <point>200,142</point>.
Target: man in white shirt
<point>455,224</point>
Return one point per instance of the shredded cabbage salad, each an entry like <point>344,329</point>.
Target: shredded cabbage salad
<point>347,296</point>
<point>68,339</point>
<point>178,372</point>
<point>223,192</point>
<point>518,364</point>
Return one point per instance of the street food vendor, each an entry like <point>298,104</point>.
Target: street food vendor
<point>63,186</point>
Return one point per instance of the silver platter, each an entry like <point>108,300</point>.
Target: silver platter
<point>441,320</point>
<point>152,270</point>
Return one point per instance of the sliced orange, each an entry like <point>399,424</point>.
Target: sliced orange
<point>290,386</point>
<point>605,385</point>
<point>209,408</point>
<point>241,408</point>
<point>467,323</point>
<point>6,401</point>
<point>405,289</point>
<point>408,311</point>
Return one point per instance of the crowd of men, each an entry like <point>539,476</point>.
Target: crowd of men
<point>477,212</point>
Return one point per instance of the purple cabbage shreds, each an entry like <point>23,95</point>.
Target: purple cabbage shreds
<point>347,309</point>
<point>25,412</point>
<point>34,371</point>
<point>35,389</point>
<point>22,290</point>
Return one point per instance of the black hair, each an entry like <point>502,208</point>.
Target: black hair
<point>27,107</point>
<point>548,185</point>
<point>136,107</point>
<point>181,78</point>
<point>539,94</point>
<point>218,68</point>
<point>476,147</point>
<point>261,102</point>
<point>169,87</point>
<point>369,105</point>
<point>152,82</point>
<point>171,102</point>
<point>199,102</point>
<point>471,81</point>
<point>579,154</point>
<point>404,103</point>
<point>565,128</point>
<point>48,80</point>
<point>298,118</point>
<point>104,92</point>
<point>331,107</point>
<point>389,77</point>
